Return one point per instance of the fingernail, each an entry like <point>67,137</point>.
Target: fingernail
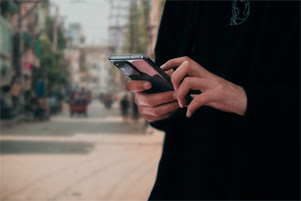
<point>147,85</point>
<point>188,114</point>
<point>162,66</point>
<point>180,104</point>
<point>174,95</point>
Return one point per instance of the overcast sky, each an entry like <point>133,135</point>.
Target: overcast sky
<point>91,14</point>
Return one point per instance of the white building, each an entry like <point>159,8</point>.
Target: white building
<point>72,56</point>
<point>99,69</point>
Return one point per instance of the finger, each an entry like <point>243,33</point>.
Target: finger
<point>155,99</point>
<point>151,118</point>
<point>172,63</point>
<point>159,110</point>
<point>138,85</point>
<point>179,74</point>
<point>197,102</point>
<point>188,84</point>
<point>169,72</point>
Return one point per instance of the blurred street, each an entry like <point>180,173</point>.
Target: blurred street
<point>79,158</point>
<point>54,54</point>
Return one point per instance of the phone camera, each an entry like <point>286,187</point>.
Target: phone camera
<point>128,70</point>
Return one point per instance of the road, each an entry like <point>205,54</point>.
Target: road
<point>81,158</point>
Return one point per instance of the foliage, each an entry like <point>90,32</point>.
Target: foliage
<point>51,64</point>
<point>136,36</point>
<point>61,40</point>
<point>7,8</point>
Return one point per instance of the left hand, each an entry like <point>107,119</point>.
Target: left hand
<point>216,91</point>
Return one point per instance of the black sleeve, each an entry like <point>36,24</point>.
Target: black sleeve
<point>161,125</point>
<point>272,118</point>
<point>174,30</point>
<point>273,87</point>
<point>165,28</point>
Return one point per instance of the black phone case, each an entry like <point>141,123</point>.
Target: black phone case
<point>159,84</point>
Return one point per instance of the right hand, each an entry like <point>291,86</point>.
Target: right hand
<point>153,107</point>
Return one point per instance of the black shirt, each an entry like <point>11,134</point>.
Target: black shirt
<point>219,155</point>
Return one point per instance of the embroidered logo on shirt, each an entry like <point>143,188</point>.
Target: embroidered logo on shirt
<point>240,11</point>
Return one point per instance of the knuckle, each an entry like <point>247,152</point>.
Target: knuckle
<point>186,80</point>
<point>170,72</point>
<point>186,65</point>
<point>169,61</point>
<point>156,112</point>
<point>143,110</point>
<point>138,99</point>
<point>179,95</point>
<point>175,106</point>
<point>199,101</point>
<point>143,99</point>
<point>173,78</point>
<point>186,58</point>
<point>148,101</point>
<point>220,88</point>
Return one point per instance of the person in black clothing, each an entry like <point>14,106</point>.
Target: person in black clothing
<point>240,138</point>
<point>124,107</point>
<point>135,112</point>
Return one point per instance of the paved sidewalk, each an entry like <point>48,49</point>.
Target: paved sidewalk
<point>94,158</point>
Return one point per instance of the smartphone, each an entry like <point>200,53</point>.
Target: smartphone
<point>140,67</point>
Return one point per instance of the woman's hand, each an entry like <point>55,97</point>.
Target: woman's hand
<point>216,91</point>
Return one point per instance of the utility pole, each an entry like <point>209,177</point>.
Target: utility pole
<point>119,11</point>
<point>54,45</point>
<point>20,42</point>
<point>133,10</point>
<point>20,49</point>
<point>19,66</point>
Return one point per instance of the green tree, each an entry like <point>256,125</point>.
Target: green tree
<point>136,36</point>
<point>52,62</point>
<point>61,39</point>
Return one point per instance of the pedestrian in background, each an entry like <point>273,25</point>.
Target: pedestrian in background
<point>124,107</point>
<point>135,111</point>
